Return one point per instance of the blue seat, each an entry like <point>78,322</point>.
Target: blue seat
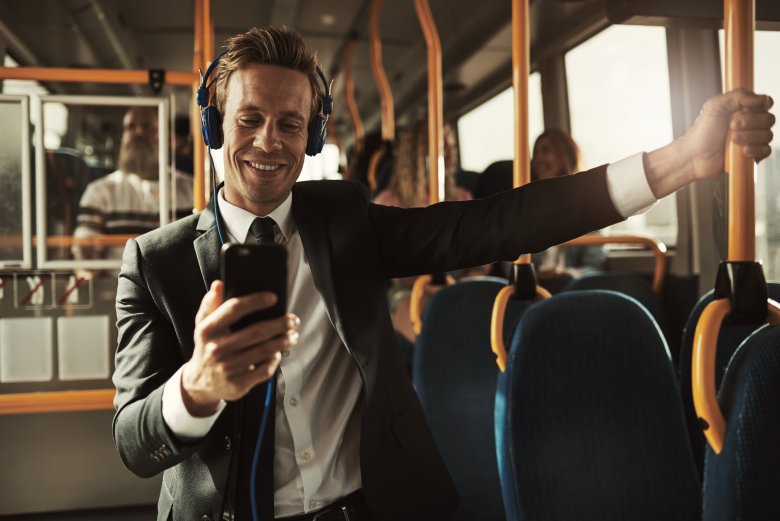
<point>729,338</point>
<point>589,424</point>
<point>742,482</point>
<point>454,373</point>
<point>627,283</point>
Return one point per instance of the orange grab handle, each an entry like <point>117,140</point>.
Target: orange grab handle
<point>705,343</point>
<point>497,322</point>
<point>349,96</point>
<point>58,401</point>
<point>416,300</point>
<point>435,106</point>
<point>385,94</point>
<point>373,166</point>
<point>658,248</point>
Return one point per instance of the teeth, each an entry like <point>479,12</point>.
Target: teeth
<point>259,166</point>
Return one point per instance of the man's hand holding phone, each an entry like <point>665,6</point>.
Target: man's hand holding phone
<point>226,364</point>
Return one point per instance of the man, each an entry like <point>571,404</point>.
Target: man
<point>349,437</point>
<point>127,201</point>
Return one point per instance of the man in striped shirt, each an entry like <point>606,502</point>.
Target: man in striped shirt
<point>127,201</point>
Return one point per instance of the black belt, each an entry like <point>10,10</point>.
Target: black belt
<point>351,507</point>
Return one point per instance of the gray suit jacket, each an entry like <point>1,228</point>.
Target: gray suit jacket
<point>353,247</point>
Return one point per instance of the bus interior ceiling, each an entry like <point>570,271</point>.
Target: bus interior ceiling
<point>476,60</point>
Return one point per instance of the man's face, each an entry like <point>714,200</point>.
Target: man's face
<point>138,151</point>
<point>265,123</point>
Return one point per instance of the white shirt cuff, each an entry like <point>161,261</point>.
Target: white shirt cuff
<point>628,187</point>
<point>179,420</point>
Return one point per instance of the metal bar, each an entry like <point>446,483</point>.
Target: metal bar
<point>435,105</point>
<point>385,93</point>
<point>658,248</point>
<point>122,76</point>
<point>739,22</point>
<point>349,96</point>
<point>198,151</point>
<point>59,401</point>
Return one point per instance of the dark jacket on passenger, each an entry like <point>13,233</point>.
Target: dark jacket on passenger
<point>352,247</point>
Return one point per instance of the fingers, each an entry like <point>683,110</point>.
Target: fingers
<point>211,300</point>
<point>232,310</point>
<point>752,121</point>
<point>757,152</point>
<point>735,100</point>
<point>258,333</point>
<point>258,354</point>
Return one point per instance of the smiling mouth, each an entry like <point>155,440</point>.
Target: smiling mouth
<point>264,167</point>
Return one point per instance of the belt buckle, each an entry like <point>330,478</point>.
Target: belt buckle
<point>321,515</point>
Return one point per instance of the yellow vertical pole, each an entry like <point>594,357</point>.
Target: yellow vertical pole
<point>198,153</point>
<point>521,59</point>
<point>739,25</point>
<point>435,105</point>
<point>385,94</point>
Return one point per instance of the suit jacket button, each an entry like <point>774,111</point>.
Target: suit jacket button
<point>227,442</point>
<point>205,518</point>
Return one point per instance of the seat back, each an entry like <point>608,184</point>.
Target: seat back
<point>589,424</point>
<point>742,482</point>
<point>627,283</point>
<point>729,339</point>
<point>454,373</point>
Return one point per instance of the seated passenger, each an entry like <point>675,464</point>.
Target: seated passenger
<point>127,201</point>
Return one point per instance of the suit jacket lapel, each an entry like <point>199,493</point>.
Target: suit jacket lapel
<point>313,229</point>
<point>207,246</point>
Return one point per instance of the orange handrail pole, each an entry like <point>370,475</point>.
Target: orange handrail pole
<point>198,151</point>
<point>739,24</point>
<point>658,248</point>
<point>349,95</point>
<point>66,75</point>
<point>385,94</point>
<point>521,171</point>
<point>521,59</point>
<point>333,133</point>
<point>57,401</point>
<point>435,104</point>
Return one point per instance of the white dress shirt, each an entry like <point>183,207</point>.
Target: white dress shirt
<point>317,392</point>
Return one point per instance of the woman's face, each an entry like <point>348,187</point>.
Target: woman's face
<point>546,163</point>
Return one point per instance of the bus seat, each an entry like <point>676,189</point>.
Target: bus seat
<point>627,283</point>
<point>454,373</point>
<point>742,482</point>
<point>729,338</point>
<point>589,423</point>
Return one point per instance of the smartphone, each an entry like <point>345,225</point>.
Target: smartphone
<point>250,268</point>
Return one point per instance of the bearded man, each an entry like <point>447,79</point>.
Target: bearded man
<point>127,201</point>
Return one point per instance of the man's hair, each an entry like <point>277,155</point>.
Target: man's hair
<point>271,45</point>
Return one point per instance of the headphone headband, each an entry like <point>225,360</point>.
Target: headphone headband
<point>211,122</point>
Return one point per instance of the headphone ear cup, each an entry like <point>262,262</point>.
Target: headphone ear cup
<point>318,131</point>
<point>211,127</point>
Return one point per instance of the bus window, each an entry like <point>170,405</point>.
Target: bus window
<point>14,180</point>
<point>767,81</point>
<point>486,133</point>
<point>618,84</point>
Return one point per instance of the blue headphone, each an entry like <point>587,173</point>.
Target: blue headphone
<point>211,122</point>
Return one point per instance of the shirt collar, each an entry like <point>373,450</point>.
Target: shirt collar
<point>237,220</point>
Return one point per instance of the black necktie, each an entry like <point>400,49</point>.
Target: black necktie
<point>263,230</point>
<point>253,404</point>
